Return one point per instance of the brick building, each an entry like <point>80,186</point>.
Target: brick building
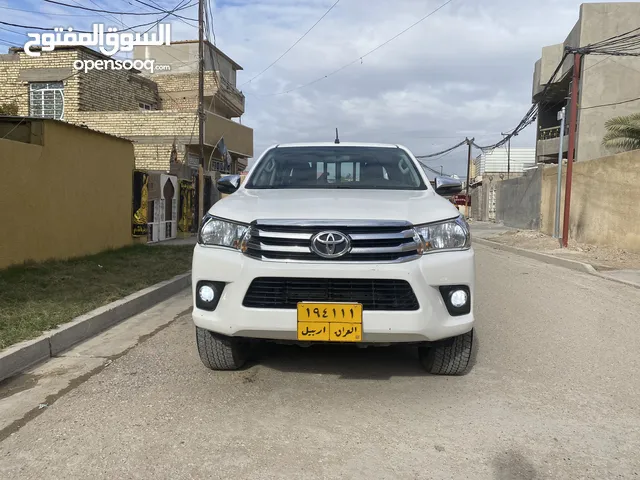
<point>158,112</point>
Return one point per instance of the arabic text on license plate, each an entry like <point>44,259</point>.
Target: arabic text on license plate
<point>334,322</point>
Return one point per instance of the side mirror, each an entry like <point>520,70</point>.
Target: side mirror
<point>228,184</point>
<point>447,186</point>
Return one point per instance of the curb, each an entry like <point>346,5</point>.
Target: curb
<point>561,262</point>
<point>23,355</point>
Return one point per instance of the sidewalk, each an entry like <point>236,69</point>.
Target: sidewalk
<point>609,261</point>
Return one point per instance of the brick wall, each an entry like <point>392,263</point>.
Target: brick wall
<point>12,88</point>
<point>132,124</point>
<point>149,155</point>
<point>95,90</point>
<point>180,91</point>
<point>113,90</point>
<point>154,156</point>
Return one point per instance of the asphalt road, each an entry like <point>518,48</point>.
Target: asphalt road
<point>554,393</point>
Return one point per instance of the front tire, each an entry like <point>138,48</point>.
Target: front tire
<point>451,357</point>
<point>220,353</point>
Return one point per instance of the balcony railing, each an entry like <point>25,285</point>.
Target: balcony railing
<point>551,132</point>
<point>226,84</point>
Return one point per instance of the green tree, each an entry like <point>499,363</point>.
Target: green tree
<point>623,133</point>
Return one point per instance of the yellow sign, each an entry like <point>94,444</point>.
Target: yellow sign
<point>313,331</point>
<point>345,332</point>
<point>334,322</point>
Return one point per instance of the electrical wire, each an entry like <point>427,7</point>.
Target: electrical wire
<point>89,9</point>
<point>160,9</point>
<point>51,29</point>
<point>50,13</point>
<point>611,104</point>
<point>450,149</point>
<point>361,57</point>
<point>22,120</point>
<point>294,44</point>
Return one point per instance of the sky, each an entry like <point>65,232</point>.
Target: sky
<point>466,71</point>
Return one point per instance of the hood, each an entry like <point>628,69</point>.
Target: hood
<point>415,206</point>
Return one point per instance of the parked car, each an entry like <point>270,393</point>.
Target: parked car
<point>330,242</point>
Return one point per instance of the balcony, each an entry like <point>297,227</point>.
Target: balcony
<point>549,143</point>
<point>230,100</point>
<point>237,138</point>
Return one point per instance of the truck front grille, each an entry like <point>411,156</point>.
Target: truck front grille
<point>373,294</point>
<point>376,242</point>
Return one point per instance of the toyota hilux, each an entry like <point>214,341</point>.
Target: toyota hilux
<point>344,243</point>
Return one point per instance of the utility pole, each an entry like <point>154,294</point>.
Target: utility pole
<point>556,228</point>
<point>466,195</point>
<point>573,121</point>
<point>201,117</point>
<point>441,170</point>
<point>508,154</point>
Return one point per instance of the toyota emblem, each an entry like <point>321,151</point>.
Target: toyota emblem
<point>330,244</point>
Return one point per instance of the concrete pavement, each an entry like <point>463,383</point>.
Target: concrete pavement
<point>553,394</point>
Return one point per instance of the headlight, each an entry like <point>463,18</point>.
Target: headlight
<point>223,233</point>
<point>449,235</point>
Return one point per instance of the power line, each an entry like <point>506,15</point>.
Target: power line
<point>50,13</point>
<point>611,104</point>
<point>294,44</point>
<point>172,12</point>
<point>450,149</point>
<point>89,9</point>
<point>51,29</point>
<point>359,59</point>
<point>178,17</point>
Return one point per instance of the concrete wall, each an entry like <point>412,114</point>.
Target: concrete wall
<point>518,200</point>
<point>69,197</point>
<point>605,199</point>
<point>605,79</point>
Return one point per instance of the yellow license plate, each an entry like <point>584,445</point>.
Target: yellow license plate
<point>333,322</point>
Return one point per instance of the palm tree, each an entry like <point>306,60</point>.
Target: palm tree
<point>623,133</point>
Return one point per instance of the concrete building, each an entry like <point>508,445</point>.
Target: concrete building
<point>605,82</point>
<point>157,112</point>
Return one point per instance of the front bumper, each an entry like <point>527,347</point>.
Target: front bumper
<point>430,322</point>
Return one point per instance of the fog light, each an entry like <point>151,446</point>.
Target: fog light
<point>459,298</point>
<point>207,294</point>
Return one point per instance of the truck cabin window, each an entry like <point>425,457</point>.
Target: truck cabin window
<point>336,167</point>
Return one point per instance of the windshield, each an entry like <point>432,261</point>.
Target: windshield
<point>336,167</point>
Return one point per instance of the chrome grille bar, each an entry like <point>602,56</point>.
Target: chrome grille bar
<point>371,241</point>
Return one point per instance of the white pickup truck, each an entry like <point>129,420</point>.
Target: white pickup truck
<point>329,242</point>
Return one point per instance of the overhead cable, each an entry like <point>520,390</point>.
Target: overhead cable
<point>89,9</point>
<point>431,155</point>
<point>291,47</point>
<point>361,57</point>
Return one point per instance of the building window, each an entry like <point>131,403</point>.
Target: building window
<point>46,100</point>
<point>145,106</point>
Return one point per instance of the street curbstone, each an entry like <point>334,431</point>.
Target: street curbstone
<point>24,355</point>
<point>561,262</point>
<point>543,257</point>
